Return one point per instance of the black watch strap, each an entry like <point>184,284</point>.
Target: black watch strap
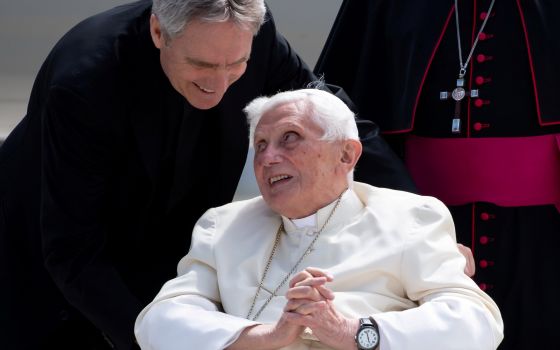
<point>367,339</point>
<point>374,324</point>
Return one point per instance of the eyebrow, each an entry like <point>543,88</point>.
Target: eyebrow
<point>205,64</point>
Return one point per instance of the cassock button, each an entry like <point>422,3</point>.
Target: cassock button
<point>484,216</point>
<point>485,263</point>
<point>480,58</point>
<point>480,80</point>
<point>483,15</point>
<point>478,103</point>
<point>484,240</point>
<point>309,231</point>
<point>484,36</point>
<point>479,126</point>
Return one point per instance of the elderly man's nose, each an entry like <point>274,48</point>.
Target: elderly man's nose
<point>270,156</point>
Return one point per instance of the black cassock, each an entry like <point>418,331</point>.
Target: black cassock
<point>394,57</point>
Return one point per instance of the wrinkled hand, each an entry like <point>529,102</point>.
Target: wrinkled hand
<point>268,336</point>
<point>470,268</point>
<point>285,330</point>
<point>311,282</point>
<point>310,305</point>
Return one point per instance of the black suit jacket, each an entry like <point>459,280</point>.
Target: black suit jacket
<point>103,180</point>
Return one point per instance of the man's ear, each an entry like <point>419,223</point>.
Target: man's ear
<point>156,32</point>
<point>351,152</point>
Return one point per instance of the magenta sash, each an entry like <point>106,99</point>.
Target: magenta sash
<point>508,171</point>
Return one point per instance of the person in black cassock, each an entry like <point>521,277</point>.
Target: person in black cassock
<point>467,93</point>
<point>134,129</point>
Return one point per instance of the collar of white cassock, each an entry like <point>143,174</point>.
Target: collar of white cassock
<point>350,205</point>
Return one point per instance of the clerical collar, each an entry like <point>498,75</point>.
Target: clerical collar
<point>309,221</point>
<point>350,205</point>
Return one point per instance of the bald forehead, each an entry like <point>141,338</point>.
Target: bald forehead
<point>287,111</point>
<point>287,116</point>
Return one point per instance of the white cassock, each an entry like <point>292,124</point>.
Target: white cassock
<point>393,255</point>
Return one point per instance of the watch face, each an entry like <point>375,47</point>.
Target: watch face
<point>368,338</point>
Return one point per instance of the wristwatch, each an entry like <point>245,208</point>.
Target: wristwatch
<point>367,337</point>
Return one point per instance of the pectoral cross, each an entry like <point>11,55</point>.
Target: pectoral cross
<point>458,94</point>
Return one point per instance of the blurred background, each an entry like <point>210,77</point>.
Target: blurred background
<point>30,28</point>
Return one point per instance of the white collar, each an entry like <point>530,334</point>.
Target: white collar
<point>308,221</point>
<point>350,205</point>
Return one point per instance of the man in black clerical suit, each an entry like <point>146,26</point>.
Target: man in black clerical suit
<point>134,128</point>
<point>495,161</point>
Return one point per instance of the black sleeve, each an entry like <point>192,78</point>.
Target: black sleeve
<point>78,150</point>
<point>355,57</point>
<point>379,165</point>
<point>355,45</point>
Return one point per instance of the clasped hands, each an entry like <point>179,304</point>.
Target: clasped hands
<point>310,304</point>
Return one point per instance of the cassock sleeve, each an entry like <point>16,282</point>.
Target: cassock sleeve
<point>453,312</point>
<point>186,314</point>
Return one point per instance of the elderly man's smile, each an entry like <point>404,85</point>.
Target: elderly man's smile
<point>278,178</point>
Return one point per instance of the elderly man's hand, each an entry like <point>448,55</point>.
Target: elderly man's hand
<point>306,288</point>
<point>327,324</point>
<point>310,305</point>
<point>311,282</point>
<point>268,336</point>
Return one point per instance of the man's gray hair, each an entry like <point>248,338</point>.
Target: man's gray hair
<point>174,15</point>
<point>325,109</point>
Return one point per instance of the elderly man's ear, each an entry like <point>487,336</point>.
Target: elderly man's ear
<point>351,152</point>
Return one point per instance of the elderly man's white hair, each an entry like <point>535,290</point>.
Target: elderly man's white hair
<point>326,110</point>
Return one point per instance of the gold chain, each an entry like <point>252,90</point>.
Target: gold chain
<point>267,267</point>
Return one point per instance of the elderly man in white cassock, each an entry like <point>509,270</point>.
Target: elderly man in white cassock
<point>319,261</point>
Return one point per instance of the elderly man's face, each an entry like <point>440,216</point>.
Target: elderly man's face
<point>297,173</point>
<point>204,60</point>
